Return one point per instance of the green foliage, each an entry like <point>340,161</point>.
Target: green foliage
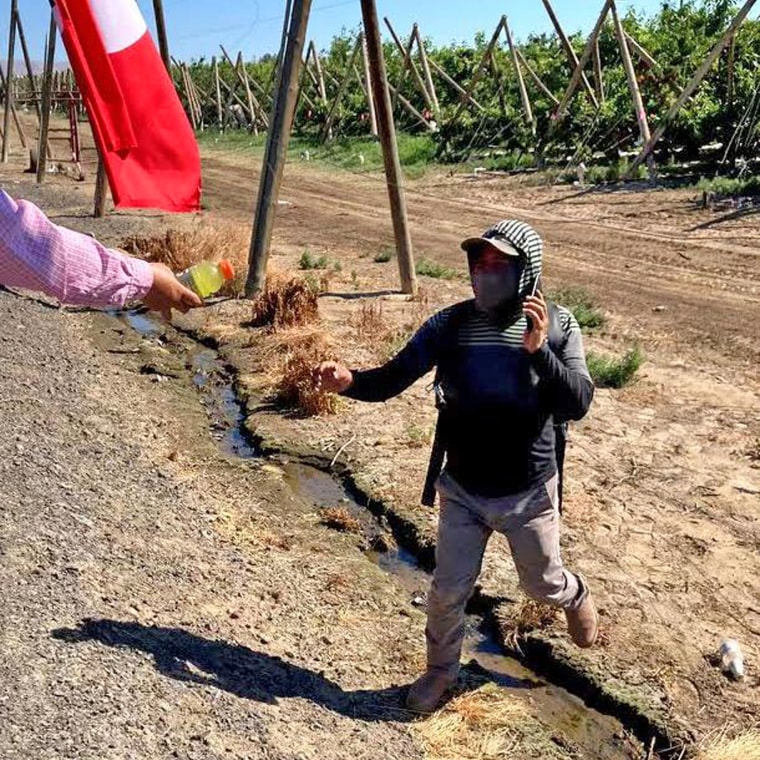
<point>729,187</point>
<point>433,269</point>
<point>309,261</point>
<point>582,306</point>
<point>609,372</point>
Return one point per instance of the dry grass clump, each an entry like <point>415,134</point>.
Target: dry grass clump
<point>180,249</point>
<point>292,356</point>
<point>285,301</point>
<point>745,746</point>
<point>529,616</point>
<point>340,519</point>
<point>477,725</point>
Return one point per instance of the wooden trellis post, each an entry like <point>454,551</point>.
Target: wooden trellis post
<point>46,97</point>
<point>426,71</point>
<point>9,81</point>
<point>569,52</point>
<point>633,85</point>
<point>520,81</point>
<point>368,81</point>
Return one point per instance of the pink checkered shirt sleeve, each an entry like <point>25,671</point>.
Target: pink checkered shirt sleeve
<point>36,254</point>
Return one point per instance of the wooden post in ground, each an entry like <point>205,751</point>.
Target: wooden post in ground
<point>410,108</point>
<point>578,73</point>
<point>368,82</point>
<point>163,42</point>
<point>387,132</point>
<point>426,71</point>
<point>569,52</point>
<point>9,81</point>
<point>101,189</point>
<point>731,84</point>
<point>633,85</point>
<point>47,85</point>
<point>694,82</point>
<point>240,66</point>
<point>278,138</point>
<point>520,81</point>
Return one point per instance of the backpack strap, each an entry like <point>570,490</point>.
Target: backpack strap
<point>447,343</point>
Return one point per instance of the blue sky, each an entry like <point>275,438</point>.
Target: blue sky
<point>196,27</point>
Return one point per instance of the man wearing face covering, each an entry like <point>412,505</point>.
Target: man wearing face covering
<point>502,383</point>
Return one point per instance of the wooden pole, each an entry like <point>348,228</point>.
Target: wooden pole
<point>633,85</point>
<point>408,64</point>
<point>641,52</point>
<point>9,81</point>
<point>242,77</point>
<point>189,97</point>
<point>218,91</point>
<point>520,81</point>
<point>537,79</point>
<point>14,111</point>
<point>256,104</point>
<point>426,71</point>
<point>569,52</point>
<point>101,189</point>
<point>163,42</point>
<point>695,81</point>
<point>387,131</point>
<point>578,73</point>
<point>409,107</point>
<point>278,138</point>
<point>46,94</point>
<point>368,81</point>
<point>731,84</point>
<point>480,70</point>
<point>327,129</point>
<point>248,94</point>
<point>466,95</point>
<point>598,73</point>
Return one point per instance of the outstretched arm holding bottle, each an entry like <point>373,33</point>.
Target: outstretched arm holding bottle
<point>36,254</point>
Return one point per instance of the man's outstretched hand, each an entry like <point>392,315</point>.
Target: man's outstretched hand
<point>332,377</point>
<point>168,293</point>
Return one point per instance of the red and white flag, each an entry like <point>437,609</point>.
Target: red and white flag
<point>142,131</point>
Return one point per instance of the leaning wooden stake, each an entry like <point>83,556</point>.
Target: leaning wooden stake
<point>520,81</point>
<point>278,138</point>
<point>9,81</point>
<point>426,71</point>
<point>598,73</point>
<point>163,42</point>
<point>390,148</point>
<point>458,87</point>
<point>569,52</point>
<point>368,81</point>
<point>695,81</point>
<point>326,130</point>
<point>633,85</point>
<point>481,68</point>
<point>46,96</point>
<point>578,73</point>
<point>641,52</point>
<point>408,64</point>
<point>537,79</point>
<point>218,91</point>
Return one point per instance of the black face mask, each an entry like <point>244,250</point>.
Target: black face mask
<point>496,292</point>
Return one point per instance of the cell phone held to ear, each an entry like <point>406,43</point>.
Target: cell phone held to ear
<point>532,292</point>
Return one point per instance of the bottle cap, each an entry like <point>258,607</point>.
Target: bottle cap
<point>226,269</point>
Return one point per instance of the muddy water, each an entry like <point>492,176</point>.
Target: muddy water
<point>589,733</point>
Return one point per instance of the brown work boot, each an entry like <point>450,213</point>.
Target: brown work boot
<point>583,623</point>
<point>428,691</point>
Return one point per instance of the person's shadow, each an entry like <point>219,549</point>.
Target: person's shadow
<point>244,672</point>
